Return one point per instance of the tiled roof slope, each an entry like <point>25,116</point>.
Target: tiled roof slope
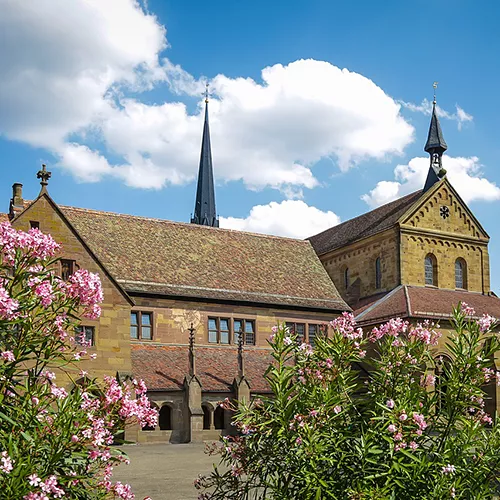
<point>188,260</point>
<point>164,367</point>
<point>424,302</point>
<point>363,226</point>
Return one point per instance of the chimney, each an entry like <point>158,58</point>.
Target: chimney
<point>17,202</point>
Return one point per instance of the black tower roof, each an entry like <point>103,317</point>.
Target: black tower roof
<point>435,140</point>
<point>204,209</point>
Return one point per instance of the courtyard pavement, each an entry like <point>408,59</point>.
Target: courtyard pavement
<point>164,471</point>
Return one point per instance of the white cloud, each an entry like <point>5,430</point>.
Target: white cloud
<point>425,107</point>
<point>293,218</point>
<point>464,174</point>
<point>69,70</point>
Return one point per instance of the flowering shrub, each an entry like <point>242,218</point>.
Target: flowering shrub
<point>344,426</point>
<point>55,442</point>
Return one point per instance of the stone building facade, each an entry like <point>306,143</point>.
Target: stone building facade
<point>416,257</point>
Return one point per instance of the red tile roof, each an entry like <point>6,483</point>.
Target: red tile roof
<point>425,302</point>
<point>365,225</point>
<point>186,260</point>
<point>163,368</point>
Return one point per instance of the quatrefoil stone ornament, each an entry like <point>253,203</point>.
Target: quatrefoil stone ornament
<point>444,212</point>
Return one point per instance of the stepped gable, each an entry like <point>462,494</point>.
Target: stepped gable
<point>161,257</point>
<point>365,225</point>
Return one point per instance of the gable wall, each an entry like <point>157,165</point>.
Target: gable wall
<point>360,258</point>
<point>450,238</point>
<point>112,341</point>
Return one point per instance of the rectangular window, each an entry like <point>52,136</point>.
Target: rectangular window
<point>312,332</point>
<point>218,330</point>
<point>67,269</point>
<point>237,328</point>
<point>84,335</point>
<point>224,331</point>
<point>247,328</point>
<point>34,224</point>
<point>297,329</point>
<point>212,330</point>
<point>249,332</point>
<point>141,325</point>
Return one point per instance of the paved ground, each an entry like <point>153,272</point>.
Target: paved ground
<point>164,471</point>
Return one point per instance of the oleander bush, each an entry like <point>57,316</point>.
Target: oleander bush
<point>55,438</point>
<point>344,424</point>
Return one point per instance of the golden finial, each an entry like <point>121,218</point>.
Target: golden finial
<point>434,86</point>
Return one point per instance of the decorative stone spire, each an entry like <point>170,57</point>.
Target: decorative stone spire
<point>44,177</point>
<point>435,146</point>
<point>192,366</point>
<point>204,209</point>
<point>241,360</point>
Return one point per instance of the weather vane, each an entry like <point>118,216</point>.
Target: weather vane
<point>435,86</point>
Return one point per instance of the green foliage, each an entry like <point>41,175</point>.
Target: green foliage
<point>362,417</point>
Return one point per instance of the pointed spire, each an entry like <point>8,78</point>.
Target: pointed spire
<point>435,146</point>
<point>204,209</point>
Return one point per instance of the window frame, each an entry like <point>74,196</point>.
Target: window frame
<point>139,325</point>
<point>434,269</point>
<point>78,330</point>
<point>378,273</point>
<point>71,265</point>
<point>232,334</point>
<point>463,270</point>
<point>34,224</point>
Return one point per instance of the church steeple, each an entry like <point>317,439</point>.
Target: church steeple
<point>435,146</point>
<point>204,209</point>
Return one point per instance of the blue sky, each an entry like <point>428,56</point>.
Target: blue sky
<point>108,94</point>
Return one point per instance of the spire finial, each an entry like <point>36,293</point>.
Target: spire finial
<point>435,86</point>
<point>206,93</point>
<point>192,367</point>
<point>44,177</point>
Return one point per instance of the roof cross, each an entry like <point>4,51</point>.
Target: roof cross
<point>44,175</point>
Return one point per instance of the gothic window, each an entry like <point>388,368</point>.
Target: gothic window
<point>165,418</point>
<point>460,274</point>
<point>141,325</point>
<point>346,278</point>
<point>430,270</point>
<point>378,274</point>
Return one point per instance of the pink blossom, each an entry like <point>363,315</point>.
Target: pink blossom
<point>466,309</point>
<point>287,341</point>
<point>328,363</point>
<point>398,436</point>
<point>419,419</point>
<point>34,480</point>
<point>448,469</point>
<point>362,354</point>
<point>7,463</point>
<point>45,292</point>
<point>425,333</point>
<point>392,428</point>
<point>390,404</point>
<point>8,306</point>
<point>299,440</point>
<point>427,381</point>
<point>313,413</point>
<point>8,356</point>
<point>346,326</point>
<point>485,322</point>
<point>35,400</point>
<point>58,392</point>
<point>413,445</point>
<point>403,417</point>
<point>74,438</point>
<point>86,286</point>
<point>337,409</point>
<point>394,327</point>
<point>123,491</point>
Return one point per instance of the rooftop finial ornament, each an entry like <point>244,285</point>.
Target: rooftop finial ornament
<point>206,93</point>
<point>434,86</point>
<point>44,177</point>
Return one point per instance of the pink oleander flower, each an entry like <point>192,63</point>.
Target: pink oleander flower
<point>287,341</point>
<point>346,326</point>
<point>337,409</point>
<point>86,286</point>
<point>58,392</point>
<point>448,469</point>
<point>427,381</point>
<point>34,480</point>
<point>403,417</point>
<point>8,356</point>
<point>123,491</point>
<point>362,354</point>
<point>392,428</point>
<point>393,327</point>
<point>7,464</point>
<point>485,322</point>
<point>45,292</point>
<point>425,333</point>
<point>390,404</point>
<point>420,421</point>
<point>398,436</point>
<point>306,349</point>
<point>467,310</point>
<point>313,413</point>
<point>413,445</point>
<point>8,306</point>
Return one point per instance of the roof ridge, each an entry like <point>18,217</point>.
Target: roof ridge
<point>188,224</point>
<point>378,302</point>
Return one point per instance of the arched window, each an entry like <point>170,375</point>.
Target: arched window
<point>460,273</point>
<point>219,418</point>
<point>165,419</point>
<point>378,274</point>
<point>206,417</point>
<point>431,277</point>
<point>346,277</point>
